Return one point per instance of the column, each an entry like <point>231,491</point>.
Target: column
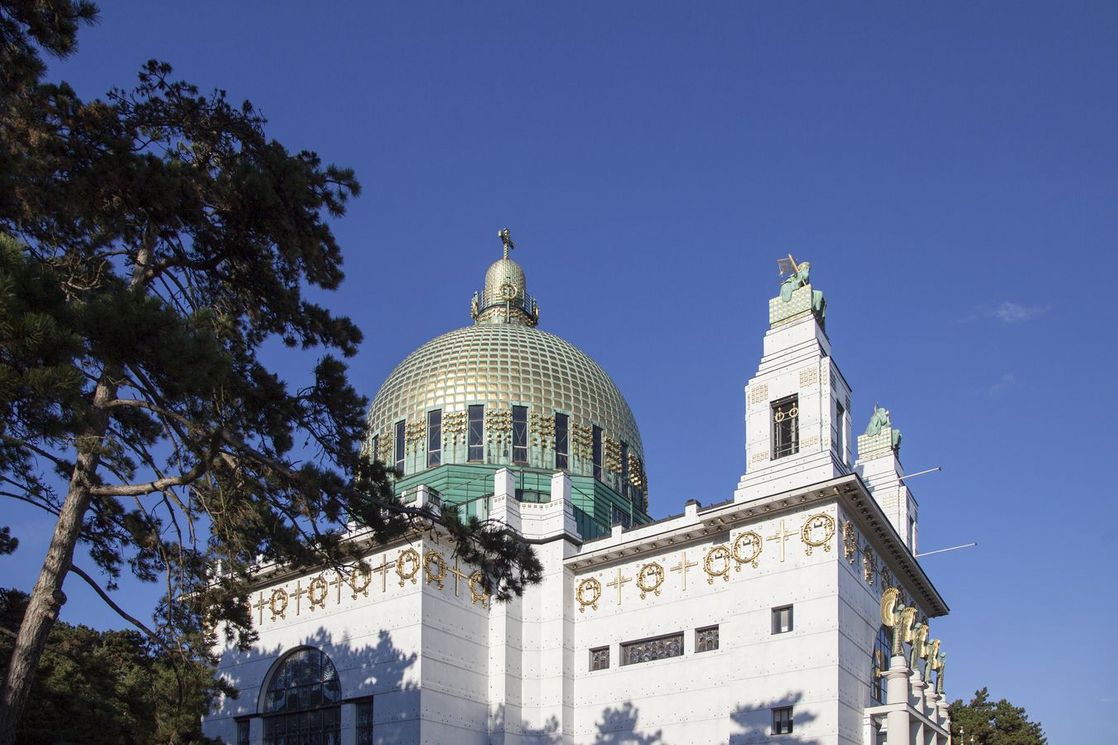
<point>896,694</point>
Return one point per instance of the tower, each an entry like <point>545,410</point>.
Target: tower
<point>797,403</point>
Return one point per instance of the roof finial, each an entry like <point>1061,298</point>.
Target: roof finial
<point>506,239</point>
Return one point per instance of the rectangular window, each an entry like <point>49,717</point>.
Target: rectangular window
<point>620,517</point>
<point>782,720</point>
<point>599,658</point>
<point>786,426</point>
<point>782,619</point>
<point>365,722</point>
<point>398,446</point>
<point>838,431</point>
<point>596,451</point>
<point>434,437</point>
<point>647,650</point>
<point>562,440</point>
<point>519,434</point>
<point>374,447</point>
<point>243,732</point>
<point>475,434</point>
<point>625,469</point>
<point>912,533</point>
<point>706,640</point>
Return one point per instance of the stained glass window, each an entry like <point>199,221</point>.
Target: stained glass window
<point>599,658</point>
<point>302,701</point>
<point>652,649</point>
<point>706,640</point>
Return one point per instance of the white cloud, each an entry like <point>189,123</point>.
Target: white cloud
<point>1005,382</point>
<point>1010,312</point>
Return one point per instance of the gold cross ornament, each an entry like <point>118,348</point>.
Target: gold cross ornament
<point>619,583</point>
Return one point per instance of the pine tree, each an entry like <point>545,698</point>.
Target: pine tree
<point>984,722</point>
<point>151,243</point>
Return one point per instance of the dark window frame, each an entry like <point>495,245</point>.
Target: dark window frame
<point>398,451</point>
<point>596,450</point>
<point>782,720</point>
<point>244,731</point>
<point>562,440</point>
<point>475,433</point>
<point>880,659</point>
<point>363,721</point>
<point>777,620</point>
<point>785,415</point>
<point>434,438</point>
<point>625,471</point>
<point>520,435</point>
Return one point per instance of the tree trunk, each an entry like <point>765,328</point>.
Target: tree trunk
<point>47,598</point>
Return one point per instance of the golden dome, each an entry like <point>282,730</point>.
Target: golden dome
<point>499,365</point>
<point>507,365</point>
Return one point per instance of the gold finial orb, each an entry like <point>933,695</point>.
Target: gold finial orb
<point>506,240</point>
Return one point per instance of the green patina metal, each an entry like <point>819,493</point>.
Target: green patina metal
<point>879,421</point>
<point>802,278</point>
<point>470,489</point>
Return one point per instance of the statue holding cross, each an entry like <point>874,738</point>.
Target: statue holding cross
<point>799,275</point>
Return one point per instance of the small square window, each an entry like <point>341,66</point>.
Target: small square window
<point>782,720</point>
<point>782,620</point>
<point>599,658</point>
<point>706,640</point>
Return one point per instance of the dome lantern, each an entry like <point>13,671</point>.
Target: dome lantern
<point>505,298</point>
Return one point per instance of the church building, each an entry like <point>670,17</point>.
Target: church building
<point>792,611</point>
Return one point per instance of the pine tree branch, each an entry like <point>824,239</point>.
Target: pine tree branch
<point>157,485</point>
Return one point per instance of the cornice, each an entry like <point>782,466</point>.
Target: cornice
<point>849,491</point>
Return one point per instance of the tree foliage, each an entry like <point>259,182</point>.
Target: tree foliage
<point>152,246</point>
<point>986,722</point>
<point>106,687</point>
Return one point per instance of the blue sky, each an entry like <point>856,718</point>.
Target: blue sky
<point>951,171</point>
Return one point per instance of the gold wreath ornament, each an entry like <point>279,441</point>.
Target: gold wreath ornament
<point>649,579</point>
<point>317,591</point>
<point>589,592</point>
<point>363,587</point>
<point>408,565</point>
<point>278,603</point>
<point>810,534</point>
<point>477,592</point>
<point>756,545</point>
<point>434,568</point>
<point>717,554</point>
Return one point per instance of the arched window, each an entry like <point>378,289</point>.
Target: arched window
<point>882,651</point>
<point>302,701</point>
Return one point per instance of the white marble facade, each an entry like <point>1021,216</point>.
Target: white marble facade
<point>440,664</point>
